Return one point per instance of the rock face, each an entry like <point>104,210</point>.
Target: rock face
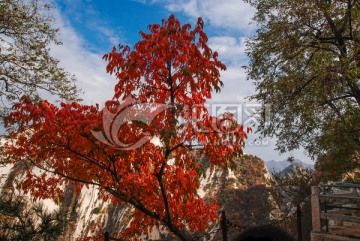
<point>240,192</point>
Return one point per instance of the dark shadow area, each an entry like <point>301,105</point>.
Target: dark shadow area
<point>264,233</point>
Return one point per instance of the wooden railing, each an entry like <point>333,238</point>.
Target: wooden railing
<point>338,202</point>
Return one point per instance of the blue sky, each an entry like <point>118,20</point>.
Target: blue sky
<point>105,23</point>
<point>90,28</point>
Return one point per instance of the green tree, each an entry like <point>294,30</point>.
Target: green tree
<point>305,61</point>
<point>21,220</point>
<point>26,65</point>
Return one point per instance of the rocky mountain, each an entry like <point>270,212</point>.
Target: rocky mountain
<point>278,166</point>
<point>240,192</point>
<point>293,168</point>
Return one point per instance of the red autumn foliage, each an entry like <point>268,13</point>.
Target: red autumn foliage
<point>171,68</point>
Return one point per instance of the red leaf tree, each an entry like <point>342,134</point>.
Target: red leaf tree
<point>162,87</point>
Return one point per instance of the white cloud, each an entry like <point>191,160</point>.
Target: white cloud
<point>88,67</point>
<point>228,14</point>
<point>236,88</point>
<point>109,33</point>
<point>231,49</point>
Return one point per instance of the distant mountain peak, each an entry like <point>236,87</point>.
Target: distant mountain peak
<point>279,166</point>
